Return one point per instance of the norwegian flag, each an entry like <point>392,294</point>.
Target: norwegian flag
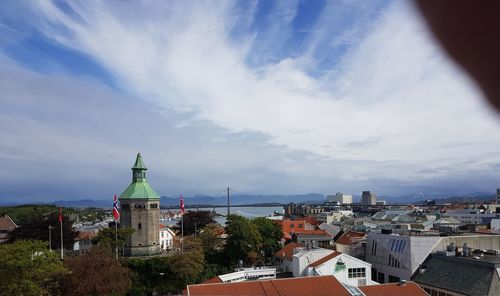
<point>116,213</point>
<point>182,204</point>
<point>60,215</point>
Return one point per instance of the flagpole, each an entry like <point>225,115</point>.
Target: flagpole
<point>116,239</point>
<point>62,239</point>
<point>182,223</point>
<point>116,216</point>
<point>182,233</point>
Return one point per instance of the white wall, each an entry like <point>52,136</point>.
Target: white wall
<point>329,268</point>
<point>305,257</point>
<point>166,239</point>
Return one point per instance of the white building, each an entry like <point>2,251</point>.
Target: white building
<point>470,216</point>
<point>318,261</point>
<point>166,238</point>
<point>341,198</point>
<point>397,257</point>
<point>333,216</point>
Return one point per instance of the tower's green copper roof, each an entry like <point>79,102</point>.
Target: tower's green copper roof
<point>138,163</point>
<point>139,188</point>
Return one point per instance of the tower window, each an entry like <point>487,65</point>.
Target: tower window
<point>139,226</point>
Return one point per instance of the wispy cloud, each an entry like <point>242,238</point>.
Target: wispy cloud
<point>367,99</point>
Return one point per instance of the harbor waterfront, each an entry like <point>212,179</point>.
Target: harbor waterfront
<point>247,212</point>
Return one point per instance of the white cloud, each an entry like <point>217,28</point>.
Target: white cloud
<point>393,107</point>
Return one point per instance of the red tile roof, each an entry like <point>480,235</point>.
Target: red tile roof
<point>85,235</point>
<point>349,237</point>
<point>287,251</point>
<point>311,220</point>
<point>7,224</point>
<point>394,289</point>
<point>317,285</point>
<point>324,259</point>
<point>213,280</point>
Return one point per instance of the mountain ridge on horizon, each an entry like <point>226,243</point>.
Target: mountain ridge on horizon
<point>247,199</point>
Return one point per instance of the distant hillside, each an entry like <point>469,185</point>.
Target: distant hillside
<point>242,199</point>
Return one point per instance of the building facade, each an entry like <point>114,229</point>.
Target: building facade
<point>341,198</point>
<point>368,198</point>
<point>140,210</point>
<point>397,257</point>
<point>167,237</point>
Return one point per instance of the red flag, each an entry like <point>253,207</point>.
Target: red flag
<point>60,215</point>
<point>182,204</point>
<point>116,213</point>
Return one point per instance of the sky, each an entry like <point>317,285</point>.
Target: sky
<point>267,97</point>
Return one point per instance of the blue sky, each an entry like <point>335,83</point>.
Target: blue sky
<point>263,96</point>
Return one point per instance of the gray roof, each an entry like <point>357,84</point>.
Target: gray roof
<point>462,275</point>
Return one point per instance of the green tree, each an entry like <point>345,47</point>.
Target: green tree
<point>38,229</point>
<point>97,273</point>
<point>195,221</point>
<point>210,240</point>
<point>243,241</point>
<point>271,234</point>
<point>168,275</point>
<point>28,268</point>
<point>105,238</point>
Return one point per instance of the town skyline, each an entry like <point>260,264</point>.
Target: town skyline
<point>269,98</point>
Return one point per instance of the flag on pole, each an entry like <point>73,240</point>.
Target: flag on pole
<point>182,205</point>
<point>60,214</point>
<point>116,213</point>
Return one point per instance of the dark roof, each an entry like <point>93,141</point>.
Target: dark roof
<point>458,274</point>
<point>394,289</point>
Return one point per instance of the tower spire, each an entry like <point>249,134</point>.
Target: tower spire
<point>139,169</point>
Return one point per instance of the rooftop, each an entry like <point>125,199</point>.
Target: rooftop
<point>324,259</point>
<point>7,224</point>
<point>306,286</point>
<point>287,251</point>
<point>393,289</point>
<point>350,237</point>
<point>463,275</point>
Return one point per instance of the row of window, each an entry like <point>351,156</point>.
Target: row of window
<point>393,261</point>
<point>356,272</point>
<point>379,277</point>
<point>139,206</point>
<point>398,245</point>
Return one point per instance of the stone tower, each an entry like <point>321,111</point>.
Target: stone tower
<point>140,210</point>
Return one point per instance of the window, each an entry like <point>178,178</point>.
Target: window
<point>300,225</point>
<point>381,278</point>
<point>356,272</point>
<point>291,225</point>
<point>162,234</point>
<point>374,274</point>
<point>139,226</point>
<point>394,279</point>
<point>153,206</point>
<point>374,248</point>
